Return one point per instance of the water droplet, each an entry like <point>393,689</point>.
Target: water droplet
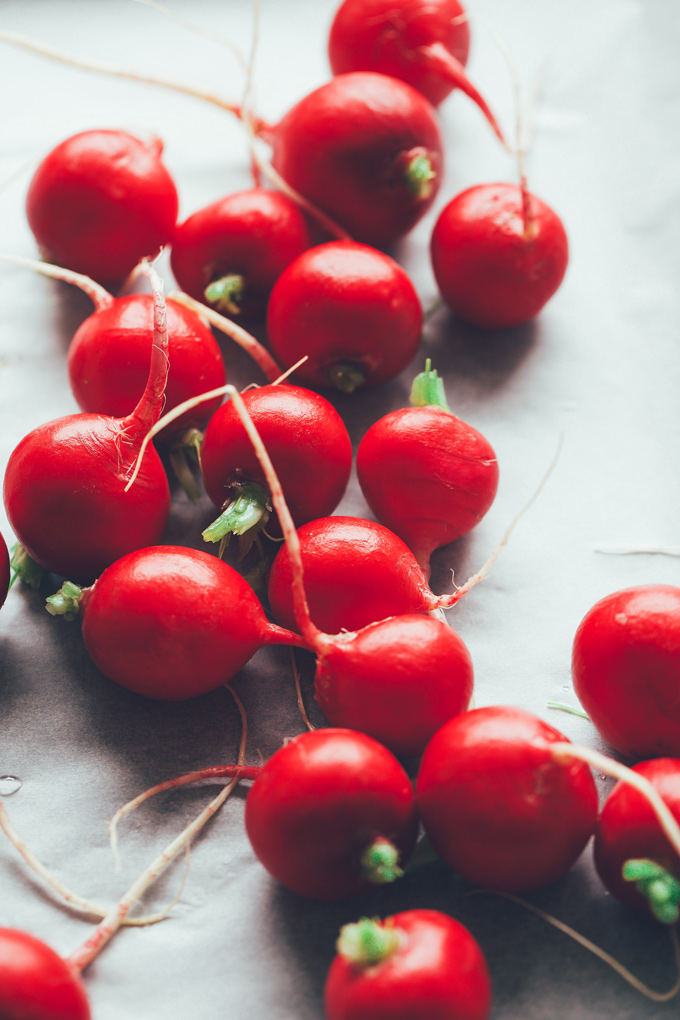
<point>566,687</point>
<point>602,775</point>
<point>9,785</point>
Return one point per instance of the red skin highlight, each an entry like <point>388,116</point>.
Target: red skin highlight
<point>254,234</point>
<point>100,201</point>
<point>356,572</point>
<point>4,571</point>
<point>306,438</point>
<point>172,623</point>
<point>494,267</point>
<point>438,972</point>
<point>628,829</point>
<point>35,983</point>
<point>428,476</point>
<point>108,361</point>
<point>626,670</point>
<point>497,807</point>
<point>398,680</point>
<point>340,303</point>
<point>319,802</point>
<point>345,147</point>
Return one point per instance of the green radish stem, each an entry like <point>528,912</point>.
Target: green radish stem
<point>30,572</point>
<point>427,389</point>
<point>657,885</point>
<point>368,941</point>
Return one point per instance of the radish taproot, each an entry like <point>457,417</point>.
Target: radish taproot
<point>64,486</point>
<point>351,309</point>
<point>422,42</point>
<point>633,856</point>
<point>414,965</point>
<point>427,475</point>
<point>331,814</point>
<point>169,622</point>
<point>36,983</point>
<point>231,253</point>
<point>100,201</point>
<point>309,445</point>
<point>499,254</point>
<point>626,669</point>
<point>497,806</point>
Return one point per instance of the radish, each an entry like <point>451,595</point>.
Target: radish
<point>331,813</point>
<point>422,42</point>
<point>36,983</point>
<point>310,446</point>
<point>4,571</point>
<point>414,965</point>
<point>427,475</point>
<point>496,805</point>
<point>231,253</point>
<point>633,856</point>
<point>626,669</point>
<point>498,253</point>
<point>169,622</point>
<point>351,309</point>
<point>64,485</point>
<point>100,201</point>
<point>366,149</point>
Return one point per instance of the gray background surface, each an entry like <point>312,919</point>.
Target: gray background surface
<point>600,366</point>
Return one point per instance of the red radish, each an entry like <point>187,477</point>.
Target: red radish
<point>633,856</point>
<point>330,813</point>
<point>65,482</point>
<point>414,965</point>
<point>36,983</point>
<point>170,622</point>
<point>365,149</point>
<point>231,253</point>
<point>100,201</point>
<point>310,447</point>
<point>499,253</point>
<point>351,309</point>
<point>427,475</point>
<point>4,571</point>
<point>626,669</point>
<point>497,806</point>
<point>422,42</point>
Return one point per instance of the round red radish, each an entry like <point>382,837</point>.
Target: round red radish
<point>319,806</point>
<point>36,983</point>
<point>422,42</point>
<point>416,965</point>
<point>308,442</point>
<point>108,361</point>
<point>628,829</point>
<point>170,622</point>
<point>100,201</point>
<point>351,309</point>
<point>4,571</point>
<point>399,680</point>
<point>231,253</point>
<point>498,254</point>
<point>427,475</point>
<point>356,572</point>
<point>366,149</point>
<point>496,805</point>
<point>626,669</point>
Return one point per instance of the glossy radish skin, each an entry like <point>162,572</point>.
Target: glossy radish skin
<point>100,201</point>
<point>436,970</point>
<point>398,680</point>
<point>36,983</point>
<point>427,476</point>
<point>496,805</point>
<point>628,829</point>
<point>494,267</point>
<point>172,623</point>
<point>356,572</point>
<point>251,235</point>
<point>349,146</point>
<point>626,669</point>
<point>317,805</point>
<point>4,571</point>
<point>307,440</point>
<point>351,309</point>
